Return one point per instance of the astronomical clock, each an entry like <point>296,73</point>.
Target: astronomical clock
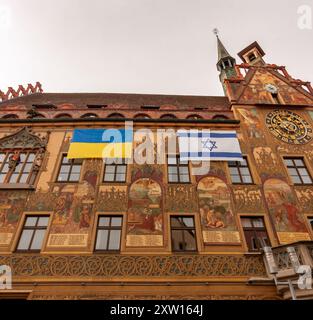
<point>289,127</point>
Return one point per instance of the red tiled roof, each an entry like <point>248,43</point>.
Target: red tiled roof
<point>130,100</point>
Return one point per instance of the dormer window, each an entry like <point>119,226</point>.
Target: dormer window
<point>96,106</point>
<point>150,107</point>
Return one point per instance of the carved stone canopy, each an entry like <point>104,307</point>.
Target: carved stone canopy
<point>23,139</point>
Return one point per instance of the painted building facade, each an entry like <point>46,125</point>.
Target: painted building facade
<point>84,229</point>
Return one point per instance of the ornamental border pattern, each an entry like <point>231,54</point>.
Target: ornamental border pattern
<point>135,266</point>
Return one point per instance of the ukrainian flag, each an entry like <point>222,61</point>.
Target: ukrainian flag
<point>101,143</point>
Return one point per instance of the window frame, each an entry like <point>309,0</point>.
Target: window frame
<point>297,170</point>
<point>255,231</point>
<point>182,229</point>
<point>123,164</point>
<point>8,175</point>
<point>69,173</point>
<point>109,228</point>
<point>238,166</point>
<point>34,228</point>
<point>177,166</point>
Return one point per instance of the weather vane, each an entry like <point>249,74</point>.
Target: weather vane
<point>215,31</point>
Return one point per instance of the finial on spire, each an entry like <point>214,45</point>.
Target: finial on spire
<point>216,32</point>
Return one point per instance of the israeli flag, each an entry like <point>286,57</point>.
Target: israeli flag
<point>206,145</point>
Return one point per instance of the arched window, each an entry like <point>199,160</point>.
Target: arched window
<point>63,116</point>
<point>10,116</point>
<point>142,116</point>
<point>220,117</point>
<point>168,116</point>
<point>194,117</point>
<point>89,115</point>
<point>116,115</point>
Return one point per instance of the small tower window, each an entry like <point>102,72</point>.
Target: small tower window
<point>251,57</point>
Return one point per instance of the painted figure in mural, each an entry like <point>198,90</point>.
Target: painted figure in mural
<point>12,204</point>
<point>264,156</point>
<point>62,208</point>
<point>215,204</point>
<point>145,208</point>
<point>84,218</point>
<point>251,120</point>
<point>282,206</point>
<point>14,160</point>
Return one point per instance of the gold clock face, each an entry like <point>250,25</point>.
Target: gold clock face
<point>289,127</point>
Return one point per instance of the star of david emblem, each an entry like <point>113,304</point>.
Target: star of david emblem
<point>208,144</point>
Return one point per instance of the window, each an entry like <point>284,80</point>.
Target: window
<point>70,170</point>
<point>17,167</point>
<point>194,117</point>
<point>220,117</point>
<point>33,233</point>
<point>142,116</point>
<point>89,115</point>
<point>275,98</point>
<point>178,171</point>
<point>240,172</point>
<point>252,57</point>
<point>63,116</point>
<point>96,106</point>
<point>183,234</point>
<point>115,172</point>
<point>255,233</point>
<point>109,232</point>
<point>298,171</point>
<point>168,116</point>
<point>116,116</point>
<point>150,107</point>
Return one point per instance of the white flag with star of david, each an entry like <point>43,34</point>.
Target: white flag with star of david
<point>206,145</point>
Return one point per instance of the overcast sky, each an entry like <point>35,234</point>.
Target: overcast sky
<point>143,46</point>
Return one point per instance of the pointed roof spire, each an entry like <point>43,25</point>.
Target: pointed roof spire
<point>223,54</point>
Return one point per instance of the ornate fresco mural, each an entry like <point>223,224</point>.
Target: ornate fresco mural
<point>256,92</point>
<point>151,171</point>
<point>181,198</point>
<point>248,199</point>
<point>305,197</point>
<point>284,211</point>
<point>267,163</point>
<point>12,205</point>
<point>73,210</point>
<point>217,217</point>
<point>112,199</point>
<point>145,214</point>
<point>251,123</point>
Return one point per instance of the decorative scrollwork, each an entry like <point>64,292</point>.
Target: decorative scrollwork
<point>134,266</point>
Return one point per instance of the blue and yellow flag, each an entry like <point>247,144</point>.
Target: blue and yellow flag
<point>101,143</point>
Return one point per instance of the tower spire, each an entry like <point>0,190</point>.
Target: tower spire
<point>225,62</point>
